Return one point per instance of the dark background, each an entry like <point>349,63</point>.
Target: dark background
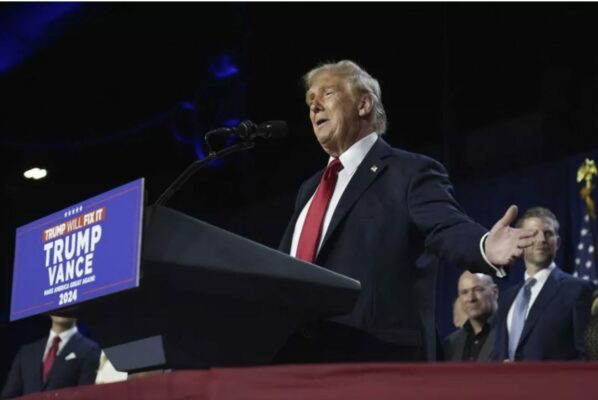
<point>101,94</point>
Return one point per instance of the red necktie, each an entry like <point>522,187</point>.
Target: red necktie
<point>50,358</point>
<point>312,227</point>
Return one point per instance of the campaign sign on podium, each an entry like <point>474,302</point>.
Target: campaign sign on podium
<point>80,253</point>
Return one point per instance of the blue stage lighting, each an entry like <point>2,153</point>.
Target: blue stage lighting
<point>26,30</point>
<point>223,67</point>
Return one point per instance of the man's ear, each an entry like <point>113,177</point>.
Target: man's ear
<point>558,242</point>
<point>365,105</point>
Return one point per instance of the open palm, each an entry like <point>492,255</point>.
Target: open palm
<point>505,244</point>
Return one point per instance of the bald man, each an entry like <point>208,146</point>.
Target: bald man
<point>478,298</point>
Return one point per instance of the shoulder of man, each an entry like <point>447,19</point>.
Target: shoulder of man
<point>454,336</point>
<point>413,161</point>
<point>32,350</point>
<point>34,345</point>
<point>84,343</point>
<point>572,280</point>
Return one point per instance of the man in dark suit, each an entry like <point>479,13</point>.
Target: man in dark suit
<point>64,358</point>
<point>545,316</point>
<point>377,215</point>
<point>478,296</point>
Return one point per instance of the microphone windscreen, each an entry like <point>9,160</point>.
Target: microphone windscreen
<point>275,129</point>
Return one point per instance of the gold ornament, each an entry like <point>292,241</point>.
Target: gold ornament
<point>586,172</point>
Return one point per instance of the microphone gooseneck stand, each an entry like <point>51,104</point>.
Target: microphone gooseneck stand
<point>198,164</point>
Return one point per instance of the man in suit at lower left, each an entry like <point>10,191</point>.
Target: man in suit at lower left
<point>64,358</point>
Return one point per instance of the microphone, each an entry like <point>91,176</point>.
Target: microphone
<point>248,130</point>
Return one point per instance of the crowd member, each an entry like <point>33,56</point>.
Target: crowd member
<point>370,214</point>
<point>544,317</point>
<point>478,297</point>
<point>62,359</point>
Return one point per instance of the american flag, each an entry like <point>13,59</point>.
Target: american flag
<point>585,255</point>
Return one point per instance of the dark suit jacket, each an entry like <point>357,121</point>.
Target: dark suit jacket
<point>454,345</point>
<point>555,324</point>
<point>398,207</point>
<point>25,375</point>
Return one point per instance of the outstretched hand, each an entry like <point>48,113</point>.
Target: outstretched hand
<point>505,244</point>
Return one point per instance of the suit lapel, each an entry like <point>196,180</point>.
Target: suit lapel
<point>287,238</point>
<point>549,290</point>
<point>459,346</point>
<point>60,362</point>
<point>306,191</point>
<point>370,168</point>
<point>310,188</point>
<point>37,362</point>
<point>488,347</point>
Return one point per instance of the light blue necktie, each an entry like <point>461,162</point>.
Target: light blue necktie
<point>521,306</point>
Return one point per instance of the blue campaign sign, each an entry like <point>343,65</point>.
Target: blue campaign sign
<point>80,253</point>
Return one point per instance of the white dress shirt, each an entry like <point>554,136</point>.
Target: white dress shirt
<point>541,277</point>
<point>350,159</point>
<point>64,339</point>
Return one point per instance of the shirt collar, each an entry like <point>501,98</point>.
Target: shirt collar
<point>354,155</point>
<point>487,325</point>
<point>540,276</point>
<point>64,336</point>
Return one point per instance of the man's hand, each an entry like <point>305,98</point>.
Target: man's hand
<point>504,244</point>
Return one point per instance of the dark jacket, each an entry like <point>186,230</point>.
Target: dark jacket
<point>454,344</point>
<point>555,324</point>
<point>25,375</point>
<point>396,212</point>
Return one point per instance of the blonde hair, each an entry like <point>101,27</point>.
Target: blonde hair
<point>359,82</point>
<point>539,212</point>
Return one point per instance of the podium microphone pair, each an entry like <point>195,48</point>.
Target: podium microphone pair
<point>248,130</point>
